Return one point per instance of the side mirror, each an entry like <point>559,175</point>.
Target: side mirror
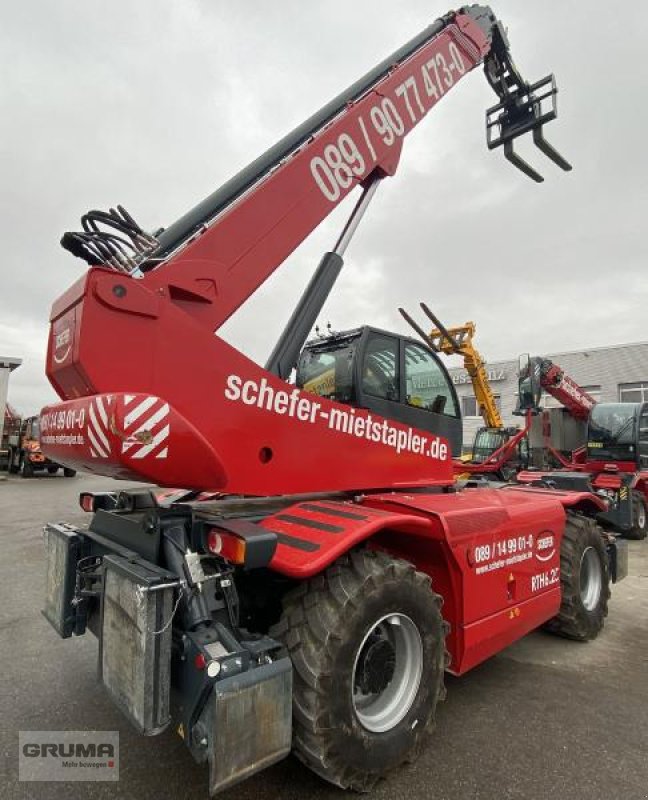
<point>529,388</point>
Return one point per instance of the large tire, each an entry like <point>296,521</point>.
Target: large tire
<point>52,470</point>
<point>639,528</point>
<point>366,640</point>
<point>26,468</point>
<point>69,473</point>
<point>584,581</point>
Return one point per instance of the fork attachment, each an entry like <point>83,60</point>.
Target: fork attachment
<point>522,108</point>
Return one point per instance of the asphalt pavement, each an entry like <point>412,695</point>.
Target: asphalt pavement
<point>546,718</point>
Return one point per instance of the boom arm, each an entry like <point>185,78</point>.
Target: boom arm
<point>152,393</point>
<point>459,341</point>
<point>558,384</point>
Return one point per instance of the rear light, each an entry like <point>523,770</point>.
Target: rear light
<point>230,547</point>
<point>240,542</point>
<point>93,501</point>
<point>86,501</point>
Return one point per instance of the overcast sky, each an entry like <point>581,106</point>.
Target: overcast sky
<point>155,104</point>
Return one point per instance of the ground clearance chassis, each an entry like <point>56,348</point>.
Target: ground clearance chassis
<point>186,598</point>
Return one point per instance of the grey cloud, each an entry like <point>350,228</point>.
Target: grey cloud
<point>154,104</point>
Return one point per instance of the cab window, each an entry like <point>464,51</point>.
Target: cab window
<point>380,368</point>
<point>427,386</point>
<point>326,370</point>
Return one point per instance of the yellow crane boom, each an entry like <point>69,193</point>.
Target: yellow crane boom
<point>459,341</point>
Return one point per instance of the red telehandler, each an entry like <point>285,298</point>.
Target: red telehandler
<point>613,459</point>
<point>316,603</point>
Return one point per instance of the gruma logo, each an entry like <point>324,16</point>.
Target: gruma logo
<point>68,755</point>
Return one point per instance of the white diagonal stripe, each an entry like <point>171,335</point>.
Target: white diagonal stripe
<point>96,444</point>
<point>93,454</point>
<point>98,430</point>
<point>128,398</point>
<point>101,410</point>
<point>164,452</point>
<point>137,412</point>
<point>150,423</point>
<point>157,439</point>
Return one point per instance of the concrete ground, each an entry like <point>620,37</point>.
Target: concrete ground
<point>547,718</point>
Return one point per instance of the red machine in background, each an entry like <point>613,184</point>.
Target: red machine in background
<point>315,582</point>
<point>558,384</point>
<point>611,458</point>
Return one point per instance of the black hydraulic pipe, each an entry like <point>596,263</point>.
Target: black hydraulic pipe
<point>286,352</point>
<point>206,210</point>
<point>193,606</point>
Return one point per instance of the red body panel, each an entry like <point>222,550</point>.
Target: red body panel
<point>493,555</point>
<point>239,447</point>
<point>114,336</point>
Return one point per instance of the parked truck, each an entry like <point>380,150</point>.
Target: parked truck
<point>316,603</point>
<point>24,452</point>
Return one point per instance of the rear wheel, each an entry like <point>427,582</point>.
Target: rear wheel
<point>52,470</point>
<point>639,528</point>
<point>366,640</point>
<point>584,581</point>
<point>26,468</point>
<point>69,473</point>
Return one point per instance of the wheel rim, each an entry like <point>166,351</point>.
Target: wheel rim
<point>387,672</point>
<point>641,516</point>
<point>591,581</point>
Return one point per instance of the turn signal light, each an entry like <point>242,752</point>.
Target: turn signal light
<point>230,547</point>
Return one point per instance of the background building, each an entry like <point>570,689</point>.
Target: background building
<point>615,373</point>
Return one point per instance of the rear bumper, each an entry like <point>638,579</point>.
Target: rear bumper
<point>236,715</point>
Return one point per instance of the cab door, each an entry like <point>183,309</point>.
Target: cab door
<point>377,374</point>
<point>429,398</point>
<point>404,381</point>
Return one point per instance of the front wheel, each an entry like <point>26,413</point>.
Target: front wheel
<point>584,581</point>
<point>52,470</point>
<point>69,473</point>
<point>366,640</point>
<point>639,528</point>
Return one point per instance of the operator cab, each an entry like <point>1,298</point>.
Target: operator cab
<point>489,440</point>
<point>391,375</point>
<point>618,432</point>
